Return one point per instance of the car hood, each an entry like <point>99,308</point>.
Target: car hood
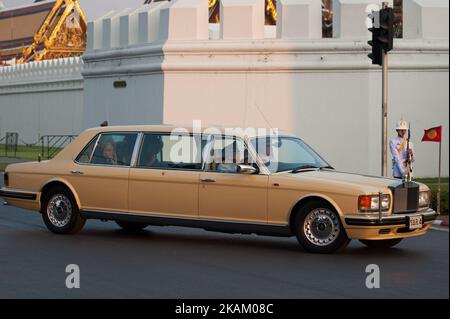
<point>342,180</point>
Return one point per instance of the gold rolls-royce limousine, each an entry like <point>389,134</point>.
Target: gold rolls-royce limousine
<point>236,182</point>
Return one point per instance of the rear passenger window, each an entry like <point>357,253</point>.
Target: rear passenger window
<point>164,151</point>
<point>112,149</point>
<point>86,155</point>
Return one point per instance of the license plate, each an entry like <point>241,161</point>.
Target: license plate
<point>415,222</point>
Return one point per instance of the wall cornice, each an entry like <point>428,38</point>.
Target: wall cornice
<point>262,56</point>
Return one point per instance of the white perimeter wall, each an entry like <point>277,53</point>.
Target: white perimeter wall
<point>334,107</point>
<point>41,98</point>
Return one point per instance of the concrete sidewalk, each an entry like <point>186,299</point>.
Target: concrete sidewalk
<point>442,221</point>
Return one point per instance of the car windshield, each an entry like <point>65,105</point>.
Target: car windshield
<point>285,153</point>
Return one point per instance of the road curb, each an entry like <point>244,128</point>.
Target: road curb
<point>440,222</point>
<point>439,228</point>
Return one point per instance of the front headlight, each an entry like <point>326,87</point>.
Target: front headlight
<point>424,199</point>
<point>370,203</point>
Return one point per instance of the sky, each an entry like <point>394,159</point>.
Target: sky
<point>93,9</point>
<point>15,3</point>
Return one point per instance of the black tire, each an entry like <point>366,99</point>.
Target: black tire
<point>131,226</point>
<point>337,237</point>
<point>60,211</point>
<point>384,243</point>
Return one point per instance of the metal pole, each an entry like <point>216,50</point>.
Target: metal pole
<point>384,138</point>
<point>438,197</point>
<point>380,211</point>
<point>42,149</point>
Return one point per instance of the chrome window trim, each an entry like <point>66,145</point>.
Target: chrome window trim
<point>136,149</point>
<point>95,147</point>
<point>206,153</point>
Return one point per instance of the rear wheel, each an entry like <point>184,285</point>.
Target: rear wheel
<point>384,243</point>
<point>319,229</point>
<point>131,226</point>
<point>60,212</point>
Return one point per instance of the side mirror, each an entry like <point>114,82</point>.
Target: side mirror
<point>247,169</point>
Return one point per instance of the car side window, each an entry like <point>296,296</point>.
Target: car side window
<point>86,155</point>
<point>226,153</point>
<point>114,149</point>
<point>170,151</point>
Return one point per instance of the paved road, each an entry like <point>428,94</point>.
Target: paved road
<point>183,263</point>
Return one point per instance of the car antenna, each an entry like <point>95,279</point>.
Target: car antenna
<point>265,119</point>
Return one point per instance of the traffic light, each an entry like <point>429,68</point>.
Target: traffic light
<point>382,34</point>
<point>377,51</point>
<point>386,36</point>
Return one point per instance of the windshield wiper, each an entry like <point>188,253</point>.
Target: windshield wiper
<point>304,167</point>
<point>326,167</point>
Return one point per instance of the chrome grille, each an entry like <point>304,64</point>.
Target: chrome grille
<point>405,197</point>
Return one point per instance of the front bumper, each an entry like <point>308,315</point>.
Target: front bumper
<point>388,219</point>
<point>389,226</point>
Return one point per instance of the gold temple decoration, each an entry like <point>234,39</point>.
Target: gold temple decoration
<point>63,34</point>
<point>271,12</point>
<point>270,8</point>
<point>214,13</point>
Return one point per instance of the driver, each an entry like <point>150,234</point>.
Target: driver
<point>229,159</point>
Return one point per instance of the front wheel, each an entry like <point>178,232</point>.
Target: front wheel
<point>319,229</point>
<point>60,212</point>
<point>384,243</point>
<point>131,226</point>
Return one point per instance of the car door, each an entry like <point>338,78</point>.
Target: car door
<point>225,194</point>
<point>166,176</point>
<point>100,173</point>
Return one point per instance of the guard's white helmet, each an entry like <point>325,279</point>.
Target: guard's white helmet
<point>402,125</point>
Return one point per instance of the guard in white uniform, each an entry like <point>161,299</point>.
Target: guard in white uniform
<point>398,146</point>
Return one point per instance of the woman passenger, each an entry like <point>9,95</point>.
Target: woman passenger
<point>109,154</point>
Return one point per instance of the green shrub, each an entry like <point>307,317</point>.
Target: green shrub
<point>444,199</point>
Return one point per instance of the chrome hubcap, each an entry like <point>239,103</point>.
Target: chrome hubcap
<point>321,227</point>
<point>59,210</point>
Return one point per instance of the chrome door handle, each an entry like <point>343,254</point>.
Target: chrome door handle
<point>207,180</point>
<point>77,172</point>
